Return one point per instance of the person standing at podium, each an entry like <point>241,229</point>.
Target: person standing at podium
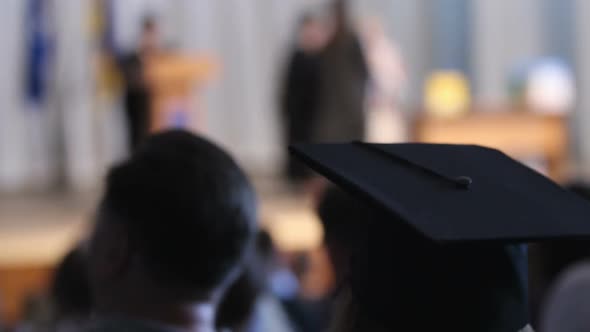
<point>137,94</point>
<point>299,99</point>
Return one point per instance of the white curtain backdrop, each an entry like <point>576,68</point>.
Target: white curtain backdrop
<point>251,39</point>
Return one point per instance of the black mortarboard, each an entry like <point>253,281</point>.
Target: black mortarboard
<point>450,219</point>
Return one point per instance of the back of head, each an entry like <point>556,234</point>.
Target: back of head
<point>402,281</point>
<point>188,210</point>
<point>549,259</point>
<point>70,290</point>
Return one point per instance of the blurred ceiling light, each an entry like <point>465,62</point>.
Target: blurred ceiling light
<point>550,86</point>
<point>447,94</point>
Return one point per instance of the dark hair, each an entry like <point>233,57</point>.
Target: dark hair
<point>400,279</point>
<point>70,289</point>
<point>340,215</point>
<point>189,209</point>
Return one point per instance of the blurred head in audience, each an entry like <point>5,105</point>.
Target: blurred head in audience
<point>70,290</point>
<point>340,214</point>
<point>548,260</point>
<point>567,308</point>
<point>174,227</point>
<point>399,280</point>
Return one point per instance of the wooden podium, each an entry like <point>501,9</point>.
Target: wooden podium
<point>520,134</point>
<point>173,80</point>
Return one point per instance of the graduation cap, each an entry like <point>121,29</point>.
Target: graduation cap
<point>445,227</point>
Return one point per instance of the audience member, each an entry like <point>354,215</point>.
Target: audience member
<point>430,252</point>
<point>37,314</point>
<point>567,307</point>
<point>548,260</point>
<point>68,305</point>
<point>70,292</point>
<point>339,214</point>
<point>173,230</point>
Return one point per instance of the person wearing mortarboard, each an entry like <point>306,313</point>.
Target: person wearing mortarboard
<point>174,229</point>
<point>441,244</point>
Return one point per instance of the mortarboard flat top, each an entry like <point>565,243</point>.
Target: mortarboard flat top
<point>453,193</point>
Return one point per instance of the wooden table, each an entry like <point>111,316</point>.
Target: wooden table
<point>520,134</point>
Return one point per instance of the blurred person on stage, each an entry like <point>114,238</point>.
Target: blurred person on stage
<point>567,308</point>
<point>343,81</point>
<point>550,260</point>
<point>68,305</point>
<point>299,100</point>
<point>426,250</point>
<point>175,225</point>
<point>385,121</point>
<point>343,78</point>
<point>338,213</point>
<point>137,100</point>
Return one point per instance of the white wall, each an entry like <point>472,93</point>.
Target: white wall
<point>13,156</point>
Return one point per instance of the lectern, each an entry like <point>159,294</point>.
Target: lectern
<point>175,82</point>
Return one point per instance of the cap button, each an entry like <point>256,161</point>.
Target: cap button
<point>463,181</point>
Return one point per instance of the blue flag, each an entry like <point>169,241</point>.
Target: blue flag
<point>38,50</point>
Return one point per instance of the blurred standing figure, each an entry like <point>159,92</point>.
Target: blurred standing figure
<point>343,78</point>
<point>385,123</point>
<point>301,89</point>
<point>137,94</point>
